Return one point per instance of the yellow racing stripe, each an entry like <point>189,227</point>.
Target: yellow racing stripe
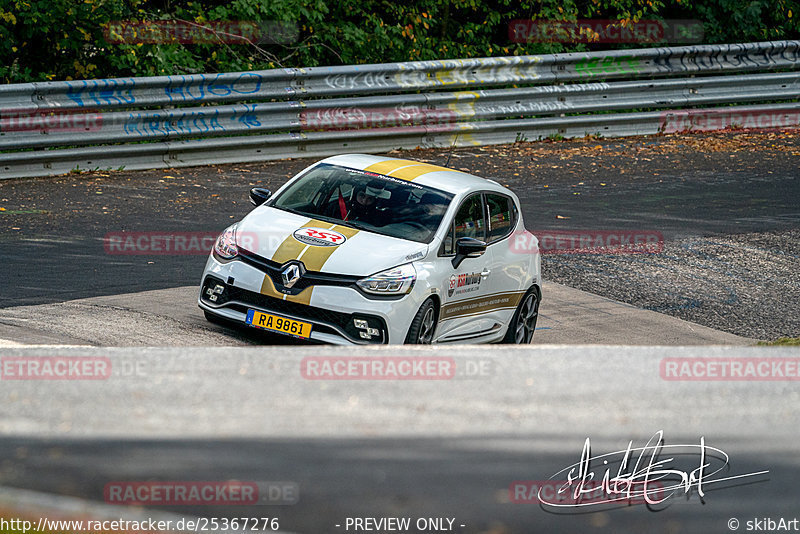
<point>385,167</point>
<point>404,169</point>
<point>313,258</point>
<point>413,172</point>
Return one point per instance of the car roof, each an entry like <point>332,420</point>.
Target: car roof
<point>449,180</point>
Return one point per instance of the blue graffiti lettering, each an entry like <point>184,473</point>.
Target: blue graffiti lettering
<point>215,122</point>
<point>185,88</point>
<point>132,124</point>
<point>109,92</point>
<point>247,117</point>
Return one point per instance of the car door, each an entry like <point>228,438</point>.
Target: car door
<point>464,288</point>
<point>508,269</point>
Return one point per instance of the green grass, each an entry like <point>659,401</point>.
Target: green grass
<point>785,341</point>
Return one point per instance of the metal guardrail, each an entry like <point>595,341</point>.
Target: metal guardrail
<point>172,121</point>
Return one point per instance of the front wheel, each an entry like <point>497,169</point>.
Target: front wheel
<point>523,323</point>
<point>423,326</point>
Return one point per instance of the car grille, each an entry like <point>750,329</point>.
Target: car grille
<point>341,323</point>
<point>310,278</point>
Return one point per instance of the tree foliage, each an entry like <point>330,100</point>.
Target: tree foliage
<point>67,39</point>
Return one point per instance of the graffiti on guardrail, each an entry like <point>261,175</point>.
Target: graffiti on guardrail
<point>190,88</point>
<point>691,59</point>
<point>541,99</point>
<point>161,123</point>
<point>456,73</point>
<point>406,109</point>
<point>490,71</point>
<point>602,66</point>
<point>152,125</point>
<point>742,56</point>
<point>107,92</point>
<point>200,86</point>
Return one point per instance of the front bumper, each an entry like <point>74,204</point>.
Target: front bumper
<point>233,302</point>
<point>332,310</point>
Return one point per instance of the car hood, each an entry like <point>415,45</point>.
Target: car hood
<point>282,236</point>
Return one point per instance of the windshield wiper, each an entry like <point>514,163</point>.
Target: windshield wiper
<point>352,224</point>
<point>359,226</point>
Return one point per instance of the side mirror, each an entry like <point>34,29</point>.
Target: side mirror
<point>259,195</point>
<point>467,247</point>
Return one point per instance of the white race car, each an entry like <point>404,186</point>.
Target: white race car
<point>360,249</point>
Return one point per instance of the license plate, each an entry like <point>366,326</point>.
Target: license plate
<point>276,323</point>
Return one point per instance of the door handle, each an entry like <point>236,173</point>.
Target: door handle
<point>485,272</point>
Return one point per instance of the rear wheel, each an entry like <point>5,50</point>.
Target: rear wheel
<point>423,326</point>
<point>523,323</point>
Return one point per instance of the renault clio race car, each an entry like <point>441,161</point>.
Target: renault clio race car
<point>361,249</point>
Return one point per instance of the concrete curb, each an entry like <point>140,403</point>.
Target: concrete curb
<point>171,317</point>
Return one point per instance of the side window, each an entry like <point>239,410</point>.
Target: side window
<point>469,220</point>
<point>501,218</point>
<point>448,246</point>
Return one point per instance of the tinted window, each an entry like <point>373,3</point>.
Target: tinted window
<point>500,216</point>
<point>449,242</point>
<point>367,201</point>
<point>469,219</point>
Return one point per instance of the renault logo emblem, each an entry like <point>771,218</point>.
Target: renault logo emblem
<point>291,273</point>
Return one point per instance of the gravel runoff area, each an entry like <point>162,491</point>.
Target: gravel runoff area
<point>726,203</point>
<point>745,284</point>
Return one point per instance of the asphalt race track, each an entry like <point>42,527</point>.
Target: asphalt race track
<point>726,205</point>
<point>186,400</point>
<point>417,448</point>
<point>171,317</point>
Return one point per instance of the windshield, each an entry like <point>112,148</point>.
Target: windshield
<point>367,201</point>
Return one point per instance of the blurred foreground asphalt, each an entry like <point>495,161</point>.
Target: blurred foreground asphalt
<point>417,448</point>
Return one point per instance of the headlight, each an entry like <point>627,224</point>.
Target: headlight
<point>225,246</point>
<point>395,281</point>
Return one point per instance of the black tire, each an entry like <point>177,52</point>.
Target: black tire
<point>423,326</point>
<point>523,323</point>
